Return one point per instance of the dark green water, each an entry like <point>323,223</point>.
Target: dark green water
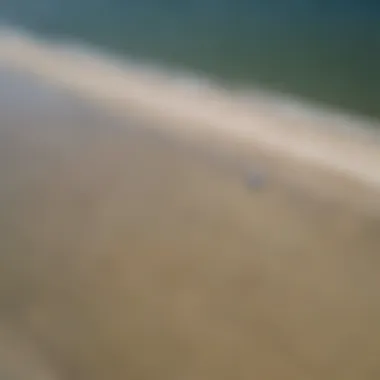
<point>326,51</point>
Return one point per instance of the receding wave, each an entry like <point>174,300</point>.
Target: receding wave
<point>188,104</point>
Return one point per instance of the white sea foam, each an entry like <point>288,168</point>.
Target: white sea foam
<point>192,105</point>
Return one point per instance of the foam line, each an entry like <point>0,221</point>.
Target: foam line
<point>190,105</point>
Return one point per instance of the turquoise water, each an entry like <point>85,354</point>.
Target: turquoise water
<point>325,51</point>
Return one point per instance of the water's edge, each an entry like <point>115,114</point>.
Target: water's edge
<point>327,52</point>
<point>191,106</point>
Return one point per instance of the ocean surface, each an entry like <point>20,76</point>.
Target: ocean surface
<point>327,52</point>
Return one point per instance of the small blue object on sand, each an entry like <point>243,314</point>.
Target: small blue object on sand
<point>256,181</point>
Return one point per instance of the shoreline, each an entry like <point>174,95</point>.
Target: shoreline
<point>203,113</point>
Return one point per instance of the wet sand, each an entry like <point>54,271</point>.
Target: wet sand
<point>128,254</point>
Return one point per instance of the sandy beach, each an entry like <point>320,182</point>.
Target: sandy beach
<point>127,252</point>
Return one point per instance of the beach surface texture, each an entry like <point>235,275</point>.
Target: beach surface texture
<point>152,228</point>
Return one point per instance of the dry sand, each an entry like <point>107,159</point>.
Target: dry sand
<point>127,254</point>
